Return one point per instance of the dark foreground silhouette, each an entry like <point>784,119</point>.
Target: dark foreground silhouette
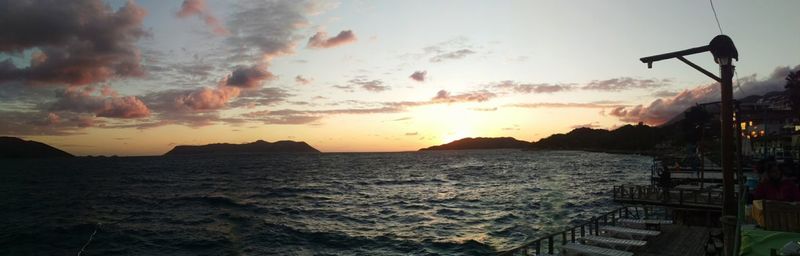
<point>11,147</point>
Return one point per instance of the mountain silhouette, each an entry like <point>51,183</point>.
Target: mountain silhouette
<point>12,147</point>
<point>259,146</point>
<point>482,143</point>
<point>629,138</point>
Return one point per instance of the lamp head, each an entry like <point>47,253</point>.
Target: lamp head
<point>723,50</point>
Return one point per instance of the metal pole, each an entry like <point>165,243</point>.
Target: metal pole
<point>726,114</point>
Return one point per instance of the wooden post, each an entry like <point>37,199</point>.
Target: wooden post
<point>596,227</point>
<point>573,234</point>
<point>726,113</point>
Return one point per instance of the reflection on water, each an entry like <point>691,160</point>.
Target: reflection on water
<point>453,202</point>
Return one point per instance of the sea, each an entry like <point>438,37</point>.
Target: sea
<point>471,202</point>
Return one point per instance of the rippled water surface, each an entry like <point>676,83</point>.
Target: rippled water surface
<point>427,203</point>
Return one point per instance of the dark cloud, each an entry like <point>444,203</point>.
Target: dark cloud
<point>302,80</point>
<point>321,39</point>
<point>248,77</point>
<point>476,96</point>
<point>532,88</point>
<point>624,83</point>
<point>452,55</point>
<point>198,8</point>
<point>370,85</point>
<point>74,42</point>
<point>663,109</point>
<point>419,76</point>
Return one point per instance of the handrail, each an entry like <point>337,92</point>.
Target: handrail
<point>592,227</point>
<point>655,194</point>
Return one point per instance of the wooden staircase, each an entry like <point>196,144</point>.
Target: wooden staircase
<point>619,240</point>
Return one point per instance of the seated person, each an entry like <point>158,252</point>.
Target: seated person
<point>775,187</point>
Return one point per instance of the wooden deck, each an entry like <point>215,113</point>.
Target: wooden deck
<point>677,240</point>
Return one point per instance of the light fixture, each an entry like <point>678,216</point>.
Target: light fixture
<point>723,50</point>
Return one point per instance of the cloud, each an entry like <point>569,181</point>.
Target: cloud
<point>484,109</point>
<point>200,99</point>
<point>532,88</point>
<point>302,80</point>
<point>198,8</point>
<point>22,123</point>
<point>664,93</point>
<point>263,97</point>
<point>248,77</point>
<point>444,96</point>
<point>412,133</point>
<point>624,83</point>
<point>262,30</point>
<point>206,98</point>
<point>290,119</point>
<point>419,76</point>
<point>369,85</point>
<point>293,116</point>
<point>597,104</point>
<point>290,116</point>
<point>321,39</point>
<point>108,104</point>
<point>586,125</point>
<point>347,88</point>
<point>452,55</point>
<point>663,109</point>
<point>73,42</point>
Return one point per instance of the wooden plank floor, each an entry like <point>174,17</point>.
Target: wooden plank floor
<point>677,240</point>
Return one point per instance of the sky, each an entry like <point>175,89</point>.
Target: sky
<point>96,77</point>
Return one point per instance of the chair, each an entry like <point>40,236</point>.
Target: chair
<point>781,216</point>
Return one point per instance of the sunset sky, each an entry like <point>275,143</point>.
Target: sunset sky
<point>138,77</point>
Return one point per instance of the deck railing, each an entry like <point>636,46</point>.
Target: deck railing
<point>573,233</point>
<point>643,193</point>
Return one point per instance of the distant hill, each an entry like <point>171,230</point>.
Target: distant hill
<point>259,146</point>
<point>482,143</point>
<point>628,138</point>
<point>11,147</point>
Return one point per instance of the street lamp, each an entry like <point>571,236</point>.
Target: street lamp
<point>724,51</point>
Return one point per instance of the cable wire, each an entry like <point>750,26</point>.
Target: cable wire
<point>715,16</point>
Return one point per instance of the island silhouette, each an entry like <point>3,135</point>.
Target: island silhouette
<point>259,146</point>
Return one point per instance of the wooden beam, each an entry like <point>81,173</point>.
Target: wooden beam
<point>701,69</point>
